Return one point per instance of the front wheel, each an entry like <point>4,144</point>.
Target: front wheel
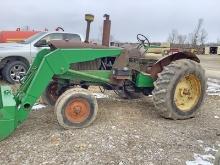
<point>180,89</point>
<point>76,108</point>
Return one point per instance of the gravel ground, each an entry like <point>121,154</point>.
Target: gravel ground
<point>125,132</point>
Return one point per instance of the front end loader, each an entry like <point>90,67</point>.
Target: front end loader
<point>63,74</point>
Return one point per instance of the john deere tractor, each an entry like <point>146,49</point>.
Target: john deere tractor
<point>63,73</point>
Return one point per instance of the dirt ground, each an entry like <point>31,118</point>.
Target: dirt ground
<point>125,132</point>
<point>212,65</point>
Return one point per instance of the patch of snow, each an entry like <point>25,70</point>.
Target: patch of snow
<point>201,160</point>
<point>120,163</point>
<point>200,141</point>
<point>216,117</point>
<point>113,127</point>
<point>207,157</point>
<point>38,106</point>
<point>213,80</point>
<point>100,95</point>
<point>209,149</point>
<point>213,87</point>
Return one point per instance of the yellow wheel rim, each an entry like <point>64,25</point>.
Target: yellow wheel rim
<point>187,92</point>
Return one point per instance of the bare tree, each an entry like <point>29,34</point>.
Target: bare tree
<point>176,38</point>
<point>195,34</point>
<point>181,39</point>
<point>172,38</point>
<point>196,39</point>
<point>199,35</point>
<point>203,36</point>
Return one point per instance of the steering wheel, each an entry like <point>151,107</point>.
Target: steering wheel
<point>143,42</point>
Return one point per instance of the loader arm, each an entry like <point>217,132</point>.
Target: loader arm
<point>15,108</point>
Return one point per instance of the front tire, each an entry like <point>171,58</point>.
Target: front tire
<point>76,108</point>
<point>180,89</point>
<point>14,71</point>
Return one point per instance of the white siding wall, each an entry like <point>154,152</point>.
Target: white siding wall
<point>218,51</point>
<point>207,50</point>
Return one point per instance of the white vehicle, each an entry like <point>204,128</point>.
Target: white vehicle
<point>15,58</point>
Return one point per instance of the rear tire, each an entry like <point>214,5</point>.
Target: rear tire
<point>180,89</point>
<point>76,108</point>
<point>13,71</point>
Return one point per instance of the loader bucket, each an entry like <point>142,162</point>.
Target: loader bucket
<point>7,112</point>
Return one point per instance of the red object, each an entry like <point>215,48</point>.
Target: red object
<point>15,36</point>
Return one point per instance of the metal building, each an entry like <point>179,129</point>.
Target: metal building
<point>212,50</point>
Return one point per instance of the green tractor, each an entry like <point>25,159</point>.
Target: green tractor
<point>63,73</point>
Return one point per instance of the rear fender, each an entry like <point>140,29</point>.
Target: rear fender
<point>158,66</point>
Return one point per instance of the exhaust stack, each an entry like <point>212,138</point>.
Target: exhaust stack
<point>106,30</point>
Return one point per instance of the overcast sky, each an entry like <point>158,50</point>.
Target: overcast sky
<point>154,18</point>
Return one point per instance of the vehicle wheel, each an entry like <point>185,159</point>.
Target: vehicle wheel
<point>13,71</point>
<point>76,108</point>
<point>51,93</point>
<point>180,89</point>
<point>217,158</point>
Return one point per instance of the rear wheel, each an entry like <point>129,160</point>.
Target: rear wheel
<point>76,108</point>
<point>14,71</point>
<point>180,89</point>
